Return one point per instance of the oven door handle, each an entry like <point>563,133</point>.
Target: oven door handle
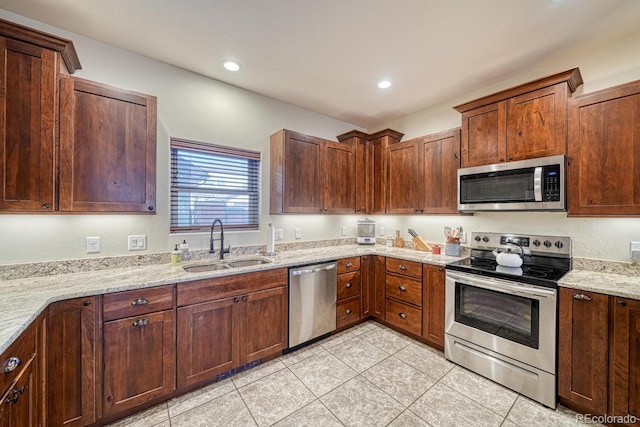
<point>502,286</point>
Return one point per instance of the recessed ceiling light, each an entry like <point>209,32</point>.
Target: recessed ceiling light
<point>384,84</point>
<point>231,65</point>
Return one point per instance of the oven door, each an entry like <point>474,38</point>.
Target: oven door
<point>510,318</point>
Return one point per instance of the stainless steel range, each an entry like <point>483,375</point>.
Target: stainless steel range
<point>501,321</point>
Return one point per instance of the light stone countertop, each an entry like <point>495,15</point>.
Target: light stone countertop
<point>24,299</point>
<point>621,285</point>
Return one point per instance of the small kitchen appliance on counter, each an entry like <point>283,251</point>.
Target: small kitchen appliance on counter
<point>366,232</point>
<point>501,310</point>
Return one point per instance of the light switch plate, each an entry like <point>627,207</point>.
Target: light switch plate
<point>279,234</point>
<point>93,245</point>
<point>298,233</point>
<point>137,242</point>
<point>381,231</point>
<point>635,251</point>
<point>344,230</point>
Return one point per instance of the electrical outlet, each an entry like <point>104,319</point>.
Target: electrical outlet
<point>381,231</point>
<point>635,251</point>
<point>93,245</point>
<point>279,232</point>
<point>137,243</point>
<point>298,233</point>
<point>344,230</point>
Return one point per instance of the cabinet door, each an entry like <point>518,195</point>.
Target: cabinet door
<point>625,358</point>
<point>72,361</point>
<point>18,405</point>
<point>263,324</point>
<point>433,305</point>
<point>303,174</point>
<point>537,123</point>
<point>366,263</point>
<point>604,153</point>
<point>27,127</point>
<point>340,178</point>
<point>440,160</point>
<point>107,148</point>
<point>363,175</point>
<point>378,285</point>
<point>139,360</point>
<point>583,349</point>
<point>378,187</point>
<point>207,340</point>
<point>402,190</point>
<point>484,135</point>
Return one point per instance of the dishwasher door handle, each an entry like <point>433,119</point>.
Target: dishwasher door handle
<point>313,270</point>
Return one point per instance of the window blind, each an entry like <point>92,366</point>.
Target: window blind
<point>211,181</point>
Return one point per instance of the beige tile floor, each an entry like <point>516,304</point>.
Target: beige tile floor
<point>368,375</point>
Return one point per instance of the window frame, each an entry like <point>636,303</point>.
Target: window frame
<point>215,150</point>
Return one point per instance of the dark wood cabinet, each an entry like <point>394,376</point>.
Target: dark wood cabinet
<point>439,159</point>
<point>225,322</point>
<point>583,350</point>
<point>107,148</point>
<point>522,122</point>
<point>349,295</point>
<point>403,295</point>
<point>377,286</point>
<point>311,175</point>
<point>404,178</point>
<point>134,327</point>
<point>73,360</point>
<point>625,357</point>
<point>433,293</point>
<point>604,153</point>
<point>366,263</point>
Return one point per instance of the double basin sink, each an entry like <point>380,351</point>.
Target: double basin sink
<point>225,265</point>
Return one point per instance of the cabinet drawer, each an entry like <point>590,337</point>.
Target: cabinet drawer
<point>404,316</point>
<point>347,312</point>
<point>15,358</point>
<point>405,289</point>
<point>137,302</point>
<point>407,268</point>
<point>348,285</point>
<point>222,287</point>
<point>346,265</point>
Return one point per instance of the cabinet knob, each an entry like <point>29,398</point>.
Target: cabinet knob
<point>236,300</point>
<point>582,297</point>
<point>140,301</point>
<point>402,288</point>
<point>86,303</point>
<point>140,322</point>
<point>402,267</point>
<point>402,315</point>
<point>349,265</point>
<point>348,311</point>
<point>109,399</point>
<point>244,299</point>
<point>11,364</point>
<point>150,208</point>
<point>622,303</point>
<point>349,285</point>
<point>500,160</point>
<point>45,206</point>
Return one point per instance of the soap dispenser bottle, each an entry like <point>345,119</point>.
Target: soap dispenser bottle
<point>176,255</point>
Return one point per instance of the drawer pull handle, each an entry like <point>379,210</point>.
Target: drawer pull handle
<point>12,364</point>
<point>348,311</point>
<point>140,301</point>
<point>402,267</point>
<point>402,288</point>
<point>622,303</point>
<point>86,303</point>
<point>140,322</point>
<point>349,285</point>
<point>402,315</point>
<point>349,265</point>
<point>582,297</point>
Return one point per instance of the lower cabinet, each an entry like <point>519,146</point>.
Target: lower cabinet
<point>73,355</point>
<point>403,302</point>
<point>625,358</point>
<point>433,291</point>
<point>348,308</point>
<point>377,286</point>
<point>221,324</point>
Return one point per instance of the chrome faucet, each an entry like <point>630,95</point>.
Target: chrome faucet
<point>211,240</point>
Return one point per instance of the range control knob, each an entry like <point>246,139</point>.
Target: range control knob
<point>536,242</point>
<point>485,239</point>
<point>559,244</point>
<point>547,243</point>
<point>477,238</point>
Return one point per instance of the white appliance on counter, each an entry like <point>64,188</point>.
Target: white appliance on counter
<point>366,234</point>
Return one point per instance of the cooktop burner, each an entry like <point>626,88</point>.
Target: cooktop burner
<point>546,259</point>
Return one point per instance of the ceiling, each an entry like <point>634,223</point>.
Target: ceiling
<point>328,55</point>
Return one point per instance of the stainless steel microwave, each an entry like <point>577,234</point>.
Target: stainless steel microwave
<point>525,185</point>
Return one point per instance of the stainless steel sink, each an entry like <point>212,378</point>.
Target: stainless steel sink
<point>247,262</point>
<point>206,267</point>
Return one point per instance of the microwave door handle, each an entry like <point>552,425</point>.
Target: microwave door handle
<point>537,183</point>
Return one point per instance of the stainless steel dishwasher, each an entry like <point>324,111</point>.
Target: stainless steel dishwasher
<point>312,302</point>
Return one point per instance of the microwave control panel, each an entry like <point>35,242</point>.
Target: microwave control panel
<point>551,183</point>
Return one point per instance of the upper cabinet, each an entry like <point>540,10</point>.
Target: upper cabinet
<point>66,144</point>
<point>522,122</point>
<point>30,62</point>
<point>107,148</point>
<point>604,153</point>
<point>311,175</point>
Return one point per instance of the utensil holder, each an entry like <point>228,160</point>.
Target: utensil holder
<point>452,247</point>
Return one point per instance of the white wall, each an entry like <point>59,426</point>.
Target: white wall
<point>195,107</point>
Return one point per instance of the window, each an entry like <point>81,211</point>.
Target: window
<point>211,181</point>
